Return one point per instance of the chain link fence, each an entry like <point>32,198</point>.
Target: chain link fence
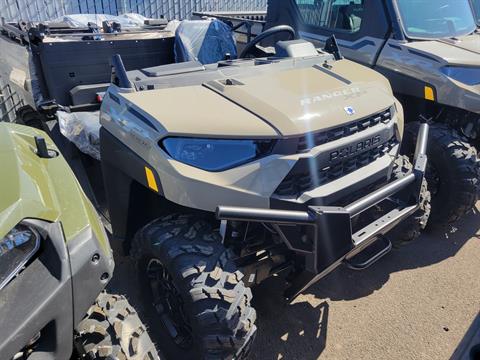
<point>37,10</point>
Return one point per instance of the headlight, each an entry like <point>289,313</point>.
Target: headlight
<point>214,154</point>
<point>465,75</point>
<point>16,248</point>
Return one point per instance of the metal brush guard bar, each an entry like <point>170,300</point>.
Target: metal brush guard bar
<point>329,229</point>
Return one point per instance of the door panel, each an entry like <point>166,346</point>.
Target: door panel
<point>360,26</point>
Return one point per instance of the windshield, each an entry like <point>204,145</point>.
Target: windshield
<point>434,19</point>
<point>476,8</point>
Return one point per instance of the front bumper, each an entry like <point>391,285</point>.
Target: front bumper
<point>327,239</point>
<point>52,294</point>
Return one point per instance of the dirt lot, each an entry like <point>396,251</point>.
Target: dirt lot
<point>416,303</point>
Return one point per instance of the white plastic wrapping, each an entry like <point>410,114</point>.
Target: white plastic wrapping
<point>172,26</point>
<point>82,129</point>
<point>207,41</point>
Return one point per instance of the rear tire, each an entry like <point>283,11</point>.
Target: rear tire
<point>207,312</point>
<point>112,330</point>
<point>412,227</point>
<point>453,172</point>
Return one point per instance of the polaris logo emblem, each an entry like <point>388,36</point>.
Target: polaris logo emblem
<point>349,110</point>
<point>351,150</point>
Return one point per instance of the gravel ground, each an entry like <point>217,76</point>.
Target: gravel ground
<point>416,303</point>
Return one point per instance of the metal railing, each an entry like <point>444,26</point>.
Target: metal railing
<point>37,10</point>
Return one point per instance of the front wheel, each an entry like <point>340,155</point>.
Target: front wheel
<point>112,329</point>
<point>195,288</point>
<point>453,172</point>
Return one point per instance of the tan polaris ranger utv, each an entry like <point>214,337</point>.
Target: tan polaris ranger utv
<point>430,53</point>
<point>297,154</point>
<point>220,175</point>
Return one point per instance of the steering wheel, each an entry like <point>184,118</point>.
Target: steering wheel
<point>252,45</point>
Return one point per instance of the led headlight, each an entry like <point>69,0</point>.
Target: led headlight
<point>16,248</point>
<point>465,75</point>
<point>215,154</point>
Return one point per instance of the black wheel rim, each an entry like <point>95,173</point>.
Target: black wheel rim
<point>169,304</point>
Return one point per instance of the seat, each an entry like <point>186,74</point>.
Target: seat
<point>350,19</point>
<point>206,41</point>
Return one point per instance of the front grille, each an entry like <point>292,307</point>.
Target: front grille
<point>306,143</point>
<point>297,183</point>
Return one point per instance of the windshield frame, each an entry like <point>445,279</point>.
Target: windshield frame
<point>475,15</point>
<point>413,37</point>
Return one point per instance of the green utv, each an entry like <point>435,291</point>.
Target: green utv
<point>55,261</point>
<point>218,171</point>
<point>430,53</point>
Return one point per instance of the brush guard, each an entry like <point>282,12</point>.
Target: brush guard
<point>327,239</point>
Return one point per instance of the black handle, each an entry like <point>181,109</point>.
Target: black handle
<point>42,150</point>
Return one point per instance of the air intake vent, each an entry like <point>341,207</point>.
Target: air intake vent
<point>297,183</point>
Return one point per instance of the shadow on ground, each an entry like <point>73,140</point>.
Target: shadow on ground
<point>288,331</point>
<point>299,330</point>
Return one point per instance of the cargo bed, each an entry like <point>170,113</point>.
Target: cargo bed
<point>70,65</point>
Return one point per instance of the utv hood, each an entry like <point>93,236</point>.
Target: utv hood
<point>283,103</point>
<point>36,188</point>
<point>464,51</point>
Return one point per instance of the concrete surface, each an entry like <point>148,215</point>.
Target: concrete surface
<point>416,303</point>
